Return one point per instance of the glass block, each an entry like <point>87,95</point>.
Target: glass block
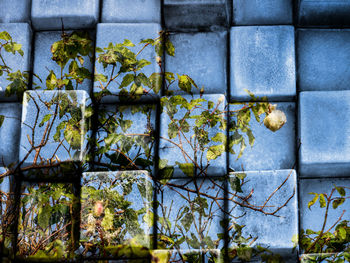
<point>120,89</point>
<point>125,137</point>
<point>262,212</point>
<point>313,218</point>
<point>14,11</point>
<point>45,64</point>
<point>116,214</point>
<point>10,130</point>
<point>137,11</point>
<point>187,255</point>
<point>323,59</point>
<point>323,129</point>
<point>324,12</point>
<point>45,221</point>
<point>53,129</point>
<point>20,33</point>
<point>73,14</point>
<point>202,56</point>
<point>262,12</point>
<point>191,213</point>
<point>195,14</point>
<point>270,150</point>
<point>263,62</point>
<point>192,136</point>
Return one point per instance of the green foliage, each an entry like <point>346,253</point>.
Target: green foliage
<point>112,222</point>
<point>333,244</point>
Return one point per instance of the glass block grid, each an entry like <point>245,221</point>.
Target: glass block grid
<point>174,131</point>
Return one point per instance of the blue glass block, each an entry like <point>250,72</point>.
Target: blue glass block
<point>14,11</point>
<point>117,33</point>
<point>262,12</point>
<point>46,212</point>
<point>43,61</point>
<point>53,128</point>
<point>201,56</point>
<point>181,155</point>
<point>48,15</point>
<point>323,133</point>
<point>324,12</point>
<point>10,133</point>
<point>195,14</point>
<point>313,218</point>
<point>263,61</point>
<point>117,204</point>
<point>136,11</point>
<point>271,150</point>
<point>21,34</point>
<point>323,57</point>
<point>129,130</point>
<point>273,192</point>
<point>188,207</point>
<point>188,255</point>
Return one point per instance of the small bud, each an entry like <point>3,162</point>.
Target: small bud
<point>98,208</point>
<point>221,99</point>
<point>275,120</point>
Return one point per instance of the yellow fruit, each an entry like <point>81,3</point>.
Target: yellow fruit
<point>275,120</point>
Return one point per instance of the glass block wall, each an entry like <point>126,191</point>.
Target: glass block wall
<point>174,131</point>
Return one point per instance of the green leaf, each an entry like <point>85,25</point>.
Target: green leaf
<point>101,77</point>
<point>149,218</point>
<point>235,184</point>
<point>57,135</point>
<point>107,222</point>
<point>322,201</point>
<point>5,36</point>
<point>142,63</point>
<point>313,201</point>
<point>250,137</point>
<point>244,253</point>
<point>73,136</point>
<point>147,41</point>
<point>128,43</point>
<point>81,60</point>
<point>172,130</point>
<point>219,137</point>
<point>193,242</point>
<point>125,124</point>
<point>166,173</point>
<point>337,202</point>
<point>159,49</point>
<point>169,76</point>
<point>45,119</point>
<point>342,233</point>
<point>341,191</point>
<point>2,118</point>
<point>215,151</point>
<point>51,80</point>
<point>186,168</point>
<point>156,82</point>
<point>242,148</point>
<point>44,214</point>
<point>169,48</point>
<point>186,221</point>
<point>184,83</point>
<point>99,50</point>
<point>128,78</point>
